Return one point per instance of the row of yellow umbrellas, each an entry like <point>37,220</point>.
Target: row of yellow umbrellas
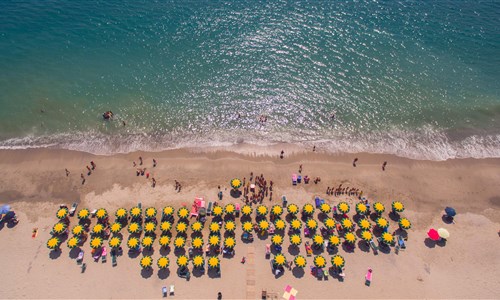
<point>319,261</point>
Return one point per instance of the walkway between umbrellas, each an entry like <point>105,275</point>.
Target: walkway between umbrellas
<point>250,261</point>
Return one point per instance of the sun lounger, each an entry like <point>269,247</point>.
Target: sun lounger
<point>237,207</point>
<point>113,259</point>
<point>264,295</point>
<point>104,254</point>
<point>172,290</point>
<point>194,211</point>
<point>268,251</point>
<point>139,205</point>
<point>401,242</point>
<point>209,209</point>
<point>368,277</point>
<point>374,247</point>
<point>73,209</point>
<point>79,259</point>
<point>271,229</point>
<point>308,249</point>
<point>164,291</point>
<point>325,274</point>
<point>306,232</point>
<point>92,213</point>
<point>294,179</point>
<point>84,267</point>
<point>317,201</point>
<point>284,202</point>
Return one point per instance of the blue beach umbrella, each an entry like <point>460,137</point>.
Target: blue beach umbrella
<point>450,211</point>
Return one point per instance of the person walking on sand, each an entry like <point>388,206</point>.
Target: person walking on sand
<point>154,182</point>
<point>154,163</point>
<point>219,296</point>
<point>67,172</point>
<point>314,148</point>
<point>93,165</point>
<point>282,154</point>
<point>354,162</point>
<point>383,165</point>
<point>83,178</point>
<point>300,169</point>
<point>90,172</point>
<point>140,160</point>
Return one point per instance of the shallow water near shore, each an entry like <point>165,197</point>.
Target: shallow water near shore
<point>409,78</point>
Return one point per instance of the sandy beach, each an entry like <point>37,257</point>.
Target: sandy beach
<point>34,183</point>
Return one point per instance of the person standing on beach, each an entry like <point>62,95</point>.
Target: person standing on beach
<point>300,169</point>
<point>67,172</point>
<point>154,182</point>
<point>90,172</point>
<point>314,148</point>
<point>154,163</point>
<point>282,154</point>
<point>383,165</point>
<point>83,178</point>
<point>354,162</point>
<point>219,296</point>
<point>140,160</point>
<point>93,165</point>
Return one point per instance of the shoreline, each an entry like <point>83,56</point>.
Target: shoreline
<point>34,184</point>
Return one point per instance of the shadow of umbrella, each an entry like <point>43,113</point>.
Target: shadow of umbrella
<point>146,272</point>
<point>298,272</point>
<point>54,254</point>
<point>163,273</point>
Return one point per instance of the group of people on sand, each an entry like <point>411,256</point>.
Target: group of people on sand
<point>256,190</point>
<point>348,191</point>
<point>142,171</point>
<point>355,161</point>
<point>89,171</point>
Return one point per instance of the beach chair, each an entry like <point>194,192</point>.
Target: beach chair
<point>194,211</point>
<point>79,259</point>
<point>113,259</point>
<point>306,232</point>
<point>73,209</point>
<point>401,242</point>
<point>92,213</point>
<point>237,207</point>
<point>284,202</point>
<point>164,291</point>
<point>264,295</point>
<point>209,209</point>
<point>325,274</point>
<point>271,229</point>
<point>309,250</point>
<point>318,202</point>
<point>104,255</point>
<point>268,251</point>
<point>139,205</point>
<point>84,267</point>
<point>368,277</point>
<point>172,290</point>
<point>294,179</point>
<point>374,247</point>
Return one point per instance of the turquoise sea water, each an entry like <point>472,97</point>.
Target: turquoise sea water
<point>419,79</point>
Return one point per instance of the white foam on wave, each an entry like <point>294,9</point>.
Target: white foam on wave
<point>425,144</point>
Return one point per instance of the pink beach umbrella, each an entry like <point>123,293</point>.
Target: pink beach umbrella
<point>433,234</point>
<point>290,293</point>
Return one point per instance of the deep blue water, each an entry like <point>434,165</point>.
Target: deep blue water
<point>414,78</point>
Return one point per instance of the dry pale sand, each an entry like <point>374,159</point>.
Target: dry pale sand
<point>33,182</point>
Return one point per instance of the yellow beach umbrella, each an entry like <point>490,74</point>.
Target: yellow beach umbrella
<point>264,225</point>
<point>338,261</point>
<point>53,243</point>
<point>230,226</point>
<point>312,224</point>
<point>97,229</point>
<point>261,210</point>
<point>147,242</point>
<point>235,183</point>
<point>361,208</point>
<point>230,209</point>
<point>279,259</point>
<point>181,227</point>
<point>296,224</point>
<point>163,262</point>
<point>319,261</point>
<point>165,226</point>
<point>292,209</point>
<point>279,224</point>
<point>136,212</point>
<point>101,213</point>
<point>378,207</point>
<point>214,227</point>
<point>334,240</point>
<point>183,213</point>
<point>197,242</point>
<point>77,230</point>
<point>121,213</point>
<point>168,211</point>
<point>213,262</point>
<point>179,242</point>
<point>115,242</point>
<point>247,226</point>
<point>83,214</point>
<point>197,226</point>
<point>133,243</point>
<point>217,211</point>
<point>364,224</point>
<point>404,223</point>
<point>343,207</point>
<point>116,227</point>
<point>198,261</point>
<point>246,210</point>
<point>134,228</point>
<point>182,261</point>
<point>229,242</point>
<point>59,228</point>
<point>150,212</point>
<point>276,210</point>
<point>382,222</point>
<point>308,209</point>
<point>146,262</point>
<point>73,242</point>
<point>387,238</point>
<point>164,240</point>
<point>300,261</point>
<point>318,239</point>
<point>329,223</point>
<point>398,206</point>
<point>62,213</point>
<point>366,235</point>
<point>346,224</point>
<point>214,240</point>
<point>295,239</point>
<point>350,237</point>
<point>96,242</point>
<point>277,239</point>
<point>325,208</point>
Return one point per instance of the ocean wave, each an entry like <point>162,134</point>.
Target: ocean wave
<point>425,144</point>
